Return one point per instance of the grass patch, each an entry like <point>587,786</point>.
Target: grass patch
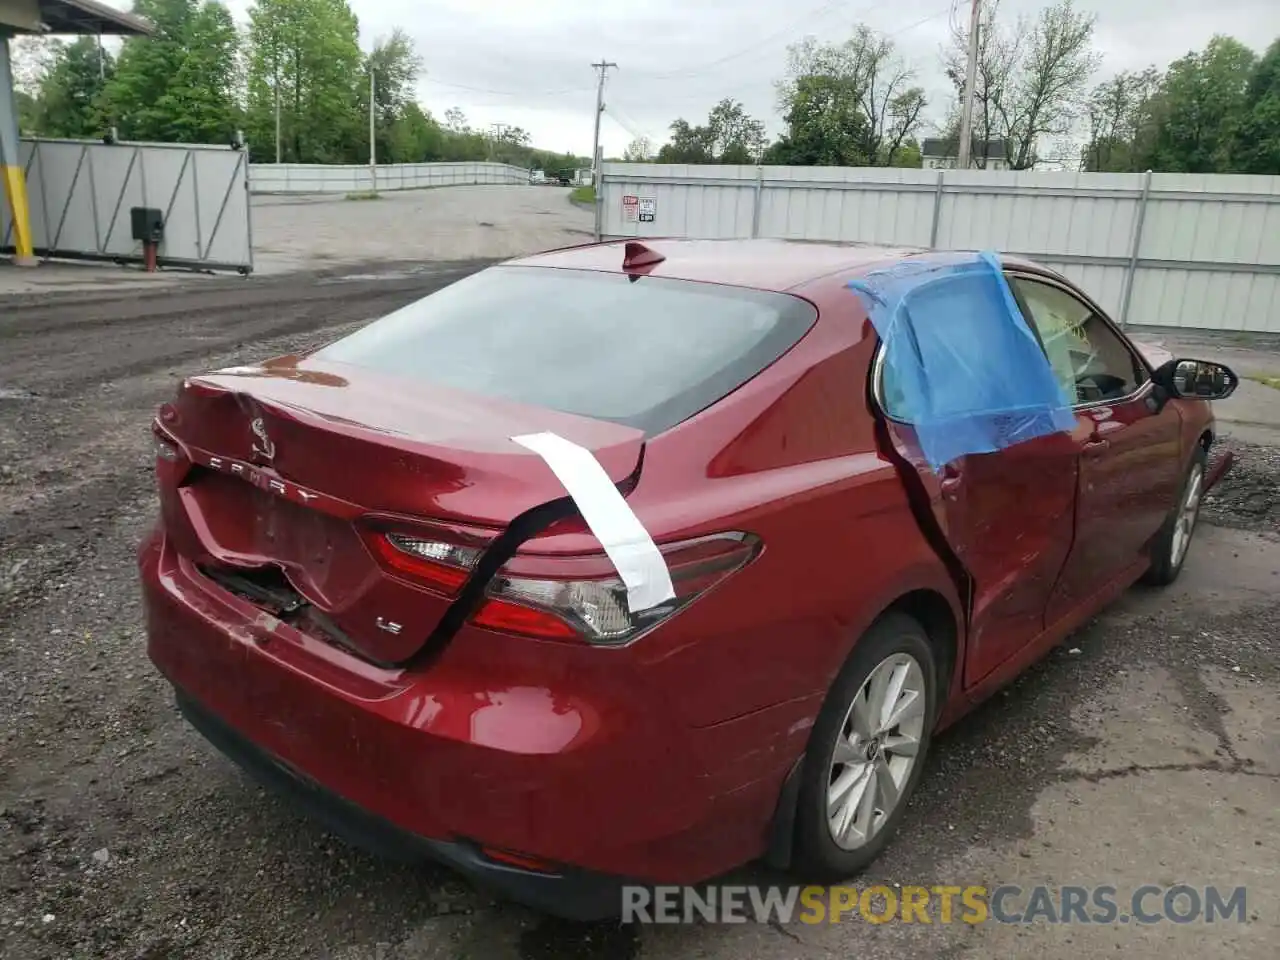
<point>583,195</point>
<point>1273,382</point>
<point>365,195</point>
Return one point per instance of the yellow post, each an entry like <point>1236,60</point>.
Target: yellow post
<point>15,187</point>
<point>15,181</point>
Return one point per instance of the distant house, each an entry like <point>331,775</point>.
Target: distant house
<point>941,154</point>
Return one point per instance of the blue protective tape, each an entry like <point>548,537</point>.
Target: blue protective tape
<point>962,365</point>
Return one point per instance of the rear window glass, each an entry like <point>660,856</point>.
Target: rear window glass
<point>647,352</point>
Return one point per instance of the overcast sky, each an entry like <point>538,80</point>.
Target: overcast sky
<point>527,62</point>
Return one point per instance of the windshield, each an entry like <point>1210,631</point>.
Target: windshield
<point>646,352</point>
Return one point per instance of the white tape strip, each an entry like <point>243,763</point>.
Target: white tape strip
<point>619,530</point>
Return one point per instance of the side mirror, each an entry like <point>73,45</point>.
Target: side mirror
<point>1197,379</point>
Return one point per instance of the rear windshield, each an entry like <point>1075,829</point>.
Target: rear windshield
<point>647,352</point>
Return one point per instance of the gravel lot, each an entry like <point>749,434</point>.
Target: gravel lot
<point>1146,750</point>
<point>307,233</point>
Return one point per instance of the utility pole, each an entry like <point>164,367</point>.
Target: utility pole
<point>275,69</point>
<point>496,130</point>
<point>965,146</point>
<point>603,66</point>
<point>373,146</point>
<point>278,142</point>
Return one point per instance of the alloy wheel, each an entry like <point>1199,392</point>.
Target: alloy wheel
<point>876,751</point>
<point>1188,512</point>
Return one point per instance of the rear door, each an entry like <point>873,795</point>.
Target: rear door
<point>1129,445</point>
<point>1008,518</point>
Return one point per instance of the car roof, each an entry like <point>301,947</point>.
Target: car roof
<point>778,265</point>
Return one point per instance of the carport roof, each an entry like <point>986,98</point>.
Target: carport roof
<point>91,17</point>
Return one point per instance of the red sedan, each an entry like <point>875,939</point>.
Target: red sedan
<point>628,563</point>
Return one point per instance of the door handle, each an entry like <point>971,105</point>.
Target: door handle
<point>1096,444</point>
<point>950,480</point>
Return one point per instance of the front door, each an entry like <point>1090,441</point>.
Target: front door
<point>1129,445</point>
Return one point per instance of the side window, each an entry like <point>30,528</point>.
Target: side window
<point>1090,361</point>
<point>893,397</point>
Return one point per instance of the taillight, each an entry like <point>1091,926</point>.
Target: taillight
<point>165,449</point>
<point>171,460</point>
<point>596,609</point>
<point>443,566</point>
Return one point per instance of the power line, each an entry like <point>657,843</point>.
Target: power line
<point>508,93</point>
<point>816,13</point>
<point>628,121</point>
<point>919,23</point>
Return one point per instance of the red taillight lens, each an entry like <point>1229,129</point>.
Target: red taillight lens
<point>443,566</point>
<point>596,610</point>
<point>506,617</point>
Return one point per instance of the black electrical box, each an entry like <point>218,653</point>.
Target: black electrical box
<point>148,224</point>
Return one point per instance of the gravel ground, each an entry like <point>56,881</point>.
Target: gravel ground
<point>122,835</point>
<point>1247,497</point>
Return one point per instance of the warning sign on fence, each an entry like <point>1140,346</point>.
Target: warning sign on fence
<point>639,209</point>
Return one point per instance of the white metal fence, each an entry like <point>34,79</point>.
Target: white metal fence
<point>1179,250</point>
<point>81,192</point>
<point>339,178</point>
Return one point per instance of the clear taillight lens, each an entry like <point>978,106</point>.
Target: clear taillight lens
<point>596,610</point>
<point>444,566</point>
<point>165,450</point>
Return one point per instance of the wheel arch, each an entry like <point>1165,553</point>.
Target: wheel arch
<point>935,613</point>
<point>940,614</point>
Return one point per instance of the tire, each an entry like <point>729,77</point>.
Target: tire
<point>1172,544</point>
<point>894,643</point>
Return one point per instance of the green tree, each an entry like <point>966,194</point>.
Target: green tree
<point>825,125</point>
<point>28,113</point>
<point>1032,77</point>
<point>68,99</point>
<point>688,144</point>
<point>395,65</point>
<point>415,137</point>
<point>736,137</point>
<point>1257,138</point>
<point>178,85</point>
<point>851,102</point>
<point>730,135</point>
<point>1202,108</point>
<point>306,54</point>
<point>1121,114</point>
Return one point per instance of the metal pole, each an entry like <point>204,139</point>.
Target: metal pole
<point>937,212</point>
<point>755,210</point>
<point>598,181</point>
<point>603,66</point>
<point>1139,219</point>
<point>373,147</point>
<point>12,175</point>
<point>965,147</point>
<point>278,157</point>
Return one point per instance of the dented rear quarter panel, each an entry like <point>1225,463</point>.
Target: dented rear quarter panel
<point>794,459</point>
